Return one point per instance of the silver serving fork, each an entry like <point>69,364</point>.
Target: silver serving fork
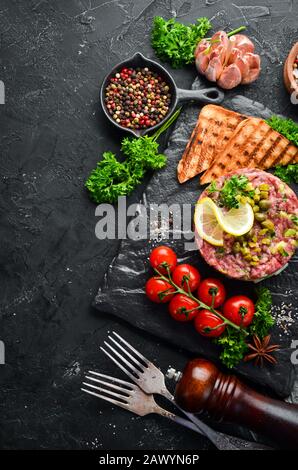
<point>152,381</point>
<point>128,396</point>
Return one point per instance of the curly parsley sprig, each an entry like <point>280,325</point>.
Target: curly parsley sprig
<point>175,42</point>
<point>112,178</point>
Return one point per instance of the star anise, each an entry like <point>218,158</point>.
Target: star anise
<point>261,351</point>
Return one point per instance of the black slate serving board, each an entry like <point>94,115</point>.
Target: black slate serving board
<point>122,292</point>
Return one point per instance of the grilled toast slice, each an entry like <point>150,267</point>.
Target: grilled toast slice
<point>213,130</point>
<point>254,144</point>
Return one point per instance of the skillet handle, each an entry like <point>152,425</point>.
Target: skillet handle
<point>207,95</point>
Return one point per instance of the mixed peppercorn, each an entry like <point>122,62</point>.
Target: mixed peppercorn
<point>137,98</point>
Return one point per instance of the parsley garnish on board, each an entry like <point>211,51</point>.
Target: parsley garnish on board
<point>233,347</point>
<point>289,129</point>
<point>233,188</point>
<point>112,178</point>
<point>233,342</point>
<point>263,319</point>
<point>288,173</point>
<point>286,127</point>
<point>175,42</point>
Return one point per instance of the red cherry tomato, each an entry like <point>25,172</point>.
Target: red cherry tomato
<point>209,286</point>
<point>240,310</point>
<point>209,324</point>
<point>159,291</point>
<point>162,257</point>
<point>182,308</point>
<point>185,275</point>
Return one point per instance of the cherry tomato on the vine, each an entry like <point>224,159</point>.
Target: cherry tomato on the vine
<point>159,291</point>
<point>182,308</point>
<point>162,257</point>
<point>210,288</point>
<point>239,310</point>
<point>187,277</point>
<point>209,324</point>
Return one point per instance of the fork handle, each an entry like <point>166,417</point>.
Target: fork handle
<point>222,441</point>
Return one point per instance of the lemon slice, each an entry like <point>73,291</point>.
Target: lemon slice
<point>206,222</point>
<point>211,221</point>
<point>237,221</point>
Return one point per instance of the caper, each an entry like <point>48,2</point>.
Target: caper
<point>290,232</point>
<point>268,224</point>
<point>256,197</point>
<point>236,247</point>
<point>257,249</point>
<point>251,244</point>
<point>254,263</point>
<point>256,209</point>
<point>245,251</point>
<point>264,187</point>
<point>255,258</point>
<point>248,257</point>
<point>249,187</point>
<point>266,241</point>
<point>250,234</point>
<point>265,204</point>
<point>260,217</point>
<point>264,195</point>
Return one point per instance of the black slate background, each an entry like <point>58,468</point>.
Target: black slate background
<point>53,56</point>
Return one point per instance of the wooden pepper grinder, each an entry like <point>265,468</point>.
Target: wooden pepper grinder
<point>203,387</point>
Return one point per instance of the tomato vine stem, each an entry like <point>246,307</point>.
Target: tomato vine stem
<point>202,305</point>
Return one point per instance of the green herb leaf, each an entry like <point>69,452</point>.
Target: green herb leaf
<point>233,347</point>
<point>286,127</point>
<point>263,320</point>
<point>288,173</point>
<point>112,178</point>
<point>233,187</point>
<point>175,42</point>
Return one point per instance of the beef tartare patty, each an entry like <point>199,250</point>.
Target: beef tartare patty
<point>271,242</point>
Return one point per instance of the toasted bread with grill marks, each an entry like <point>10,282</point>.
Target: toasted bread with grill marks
<point>254,144</point>
<point>214,127</point>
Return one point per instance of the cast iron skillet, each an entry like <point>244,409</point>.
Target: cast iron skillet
<point>207,95</point>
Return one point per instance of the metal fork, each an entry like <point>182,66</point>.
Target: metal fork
<point>129,396</point>
<point>152,381</point>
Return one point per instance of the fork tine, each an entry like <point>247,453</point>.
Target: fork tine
<point>115,387</point>
<point>113,379</point>
<point>104,390</point>
<point>110,400</point>
<point>142,367</point>
<point>131,366</point>
<point>132,348</point>
<point>130,375</point>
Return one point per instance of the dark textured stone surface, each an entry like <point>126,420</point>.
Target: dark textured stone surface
<point>53,57</point>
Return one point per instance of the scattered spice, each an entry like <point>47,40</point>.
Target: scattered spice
<point>137,98</point>
<point>261,351</point>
